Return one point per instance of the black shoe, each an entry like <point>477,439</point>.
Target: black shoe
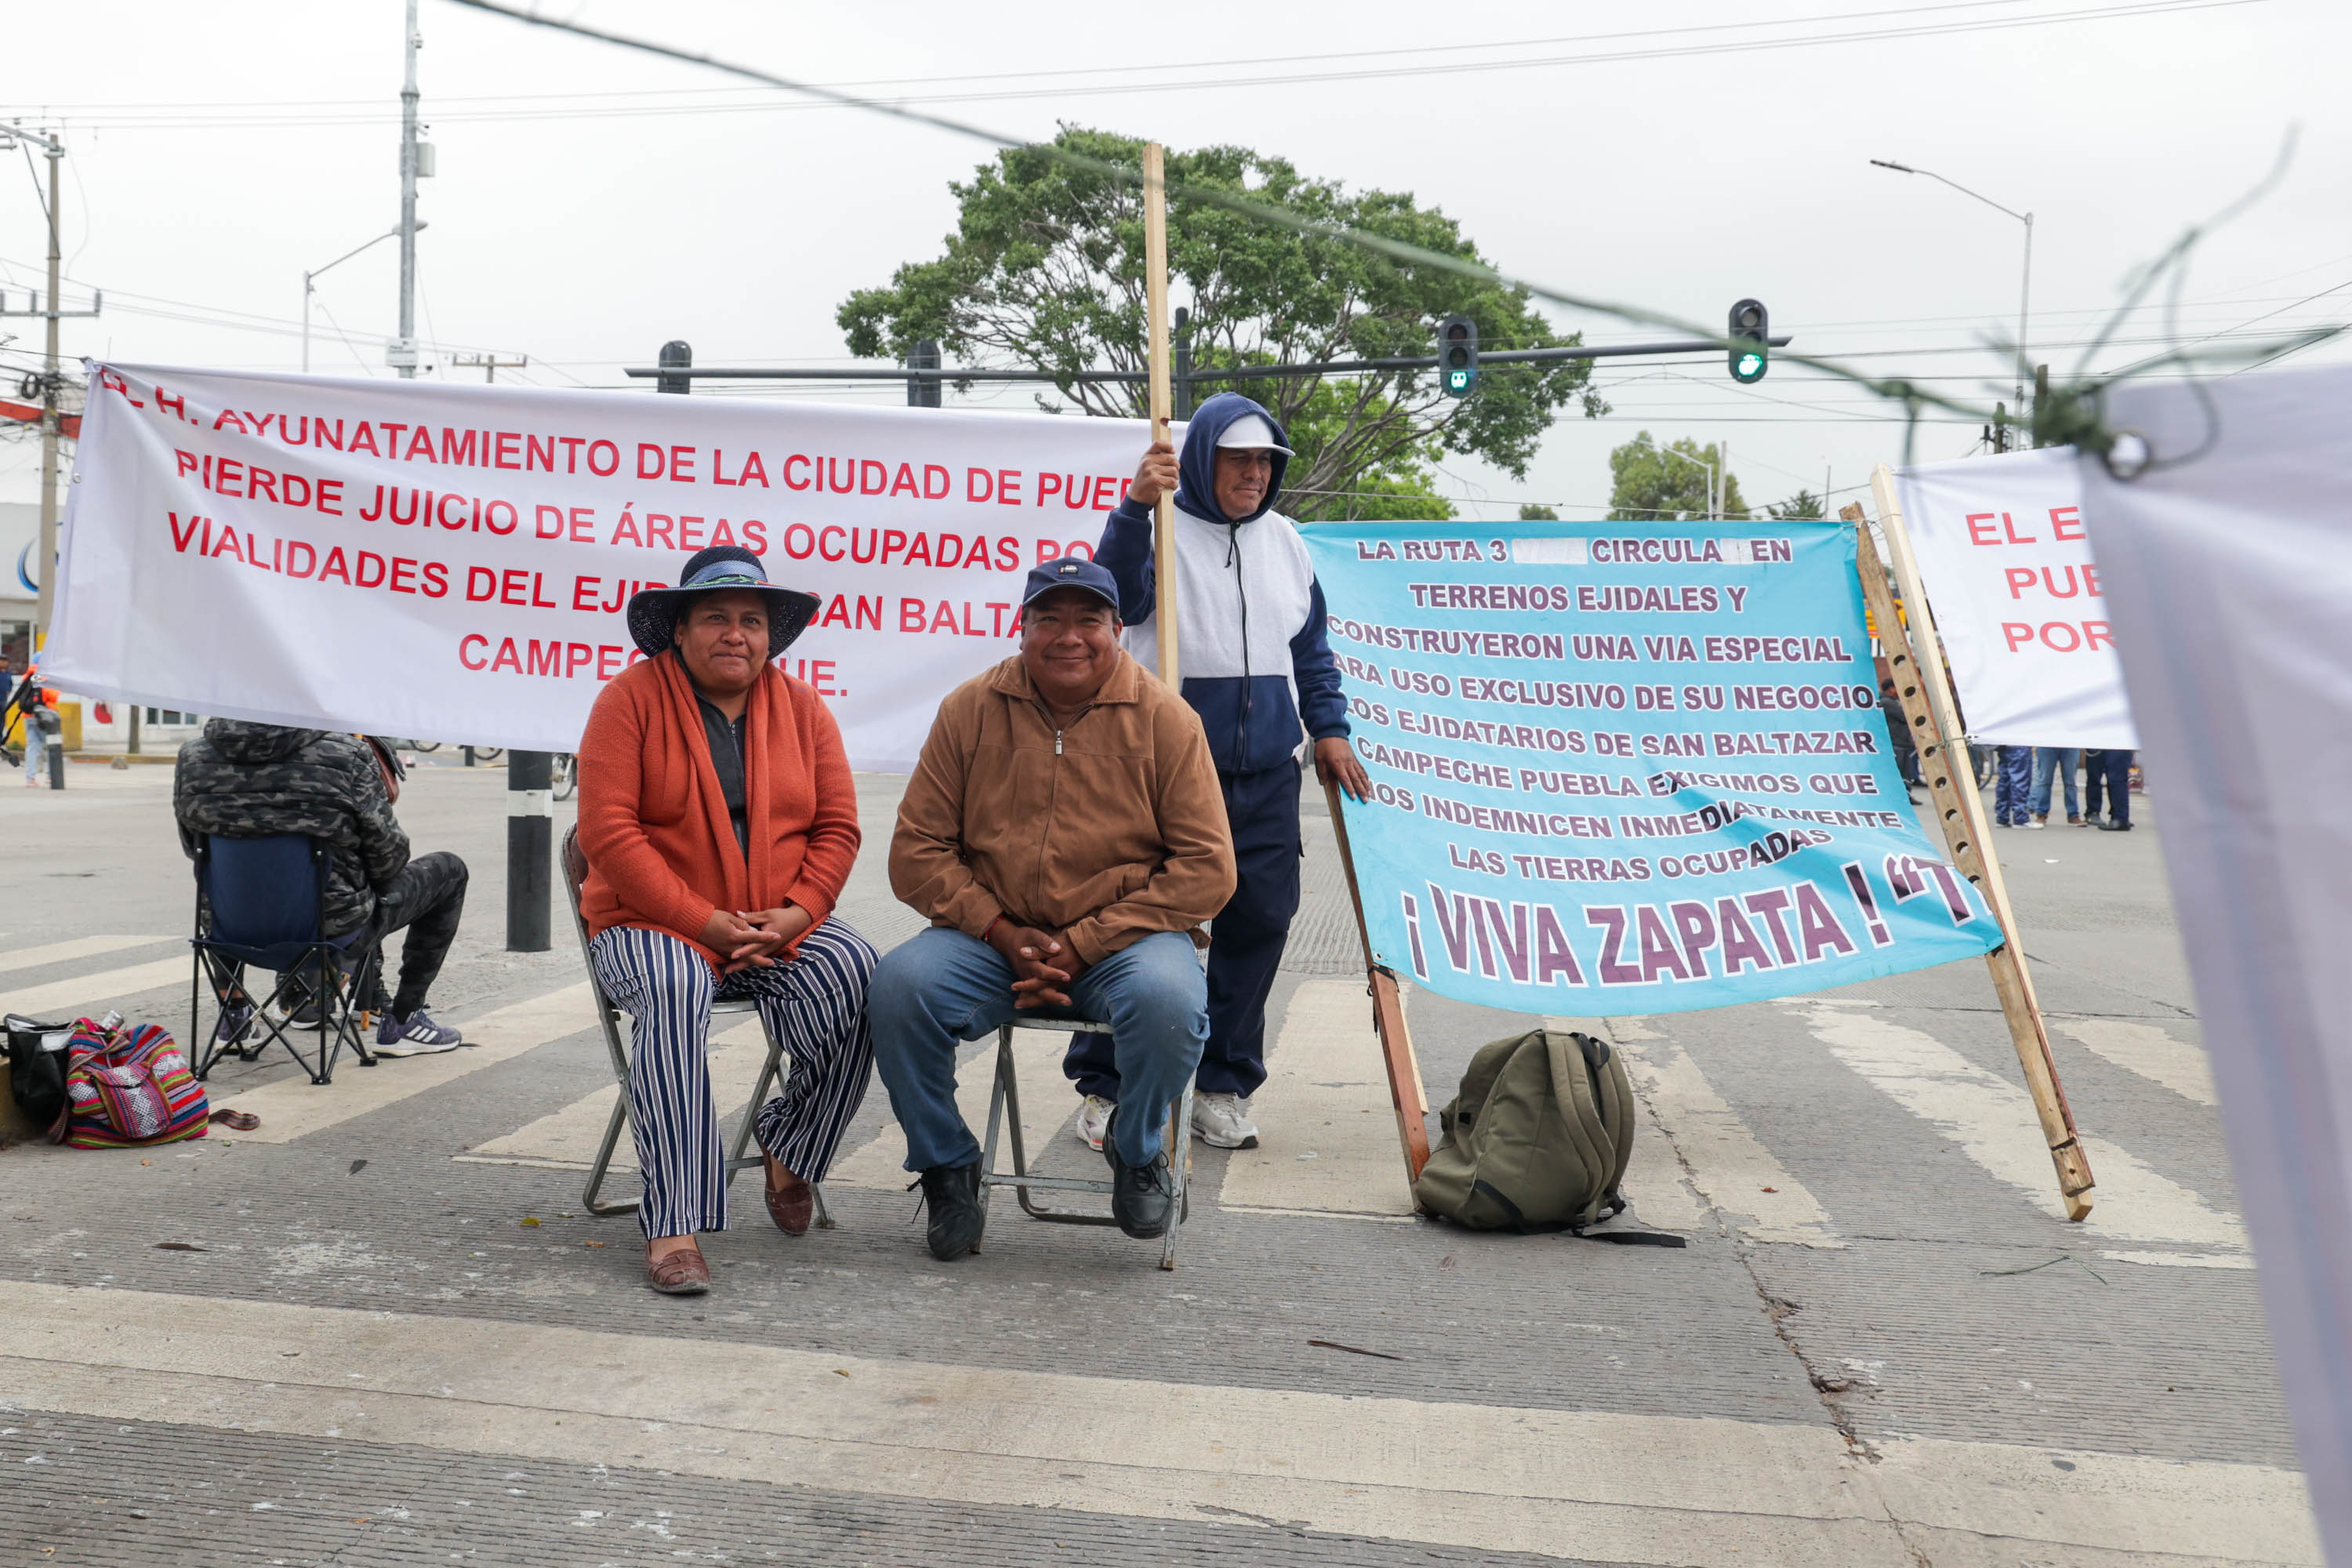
<point>952,1194</point>
<point>2114,828</point>
<point>1141,1196</point>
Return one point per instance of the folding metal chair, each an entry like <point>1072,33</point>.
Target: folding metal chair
<point>575,872</point>
<point>262,902</point>
<point>1005,1112</point>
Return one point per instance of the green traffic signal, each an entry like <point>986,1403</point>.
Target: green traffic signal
<point>1457,355</point>
<point>1749,327</point>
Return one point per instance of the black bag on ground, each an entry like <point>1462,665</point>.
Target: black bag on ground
<point>37,1068</point>
<point>1538,1139</point>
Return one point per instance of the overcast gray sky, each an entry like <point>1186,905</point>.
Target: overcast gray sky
<point>592,203</point>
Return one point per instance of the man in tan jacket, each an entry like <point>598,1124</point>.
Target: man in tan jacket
<point>1064,834</point>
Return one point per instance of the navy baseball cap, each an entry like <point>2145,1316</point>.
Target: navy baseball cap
<point>1071,571</point>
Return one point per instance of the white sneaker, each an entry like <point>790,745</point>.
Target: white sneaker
<point>1094,1121</point>
<point>1221,1121</point>
<point>2035,823</point>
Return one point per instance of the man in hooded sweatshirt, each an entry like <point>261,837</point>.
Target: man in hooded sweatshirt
<point>1257,669</point>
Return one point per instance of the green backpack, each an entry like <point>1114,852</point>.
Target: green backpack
<point>1538,1139</point>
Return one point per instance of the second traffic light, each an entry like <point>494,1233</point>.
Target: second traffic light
<point>1752,325</point>
<point>1457,355</point>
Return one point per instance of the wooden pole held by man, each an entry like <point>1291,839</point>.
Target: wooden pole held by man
<point>1155,291</point>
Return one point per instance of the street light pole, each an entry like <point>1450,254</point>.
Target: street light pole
<point>320,272</point>
<point>2025,289</point>
<point>403,349</point>
<point>1714,472</point>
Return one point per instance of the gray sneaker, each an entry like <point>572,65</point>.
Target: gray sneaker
<point>1221,1121</point>
<point>415,1036</point>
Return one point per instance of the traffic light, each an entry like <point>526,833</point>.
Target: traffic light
<point>1751,324</point>
<point>1457,355</point>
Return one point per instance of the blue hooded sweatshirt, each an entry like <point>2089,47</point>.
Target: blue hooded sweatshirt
<point>1255,663</point>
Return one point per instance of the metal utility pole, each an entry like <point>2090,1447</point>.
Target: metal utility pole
<point>50,308</point>
<point>402,354</point>
<point>2025,289</point>
<point>489,364</point>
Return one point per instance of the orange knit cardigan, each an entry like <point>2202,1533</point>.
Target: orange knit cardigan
<point>661,849</point>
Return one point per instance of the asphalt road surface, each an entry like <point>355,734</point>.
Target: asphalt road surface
<point>382,1328</point>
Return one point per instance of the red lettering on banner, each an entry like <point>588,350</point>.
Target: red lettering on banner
<point>481,584</point>
<point>465,644</point>
<point>1048,485</point>
<point>2061,517</point>
<point>919,553</point>
<point>511,587</point>
<point>790,483</point>
<point>912,614</point>
<point>365,559</point>
<point>1981,536</point>
<point>538,588</point>
<point>420,441</point>
<point>179,537</point>
<point>904,481</point>
<point>2010,529</point>
<point>583,525</point>
<point>689,533</point>
<point>754,472</point>
<point>436,575</point>
<point>661,534</point>
<point>363,440</point>
<point>607,665</point>
<point>755,536</point>
<point>718,466</point>
<point>612,459</point>
<point>625,531</point>
<point>404,575</point>
<point>507,657</point>
<point>873,478</point>
<point>2019,579</point>
<point>979,485</point>
<point>1008,487</point>
<point>584,592</point>
<point>681,464</point>
<point>654,470</point>
<point>892,540</point>
<point>928,493</point>
<point>721,534</point>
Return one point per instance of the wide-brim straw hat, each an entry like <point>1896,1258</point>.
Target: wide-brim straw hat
<point>653,612</point>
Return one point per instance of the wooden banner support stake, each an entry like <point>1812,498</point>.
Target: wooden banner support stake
<point>1915,659</point>
<point>1163,398</point>
<point>1405,1091</point>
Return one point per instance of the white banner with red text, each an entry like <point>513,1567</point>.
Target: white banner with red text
<point>452,562</point>
<point>2017,598</point>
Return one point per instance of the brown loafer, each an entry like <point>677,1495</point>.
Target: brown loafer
<point>791,1203</point>
<point>680,1273</point>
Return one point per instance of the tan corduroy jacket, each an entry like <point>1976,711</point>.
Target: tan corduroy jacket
<point>1110,829</point>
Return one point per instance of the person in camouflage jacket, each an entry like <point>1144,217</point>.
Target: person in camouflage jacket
<point>244,779</point>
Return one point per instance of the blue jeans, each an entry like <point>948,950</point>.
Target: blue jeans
<point>2059,762</point>
<point>35,744</point>
<point>2012,784</point>
<point>942,986</point>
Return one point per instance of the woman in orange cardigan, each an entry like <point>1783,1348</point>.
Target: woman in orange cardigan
<point>720,823</point>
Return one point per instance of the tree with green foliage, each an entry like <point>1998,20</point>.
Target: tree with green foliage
<point>1532,513</point>
<point>1667,484</point>
<point>1045,270</point>
<point>1804,504</point>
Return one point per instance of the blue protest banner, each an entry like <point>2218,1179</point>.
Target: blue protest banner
<point>1627,770</point>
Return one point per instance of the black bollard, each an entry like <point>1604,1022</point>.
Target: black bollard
<point>530,848</point>
<point>57,761</point>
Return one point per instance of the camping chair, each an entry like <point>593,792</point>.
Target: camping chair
<point>575,872</point>
<point>1005,1112</point>
<point>262,902</point>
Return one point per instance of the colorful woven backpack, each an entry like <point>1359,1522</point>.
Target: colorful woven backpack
<point>129,1085</point>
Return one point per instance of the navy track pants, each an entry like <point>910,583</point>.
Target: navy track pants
<point>1245,941</point>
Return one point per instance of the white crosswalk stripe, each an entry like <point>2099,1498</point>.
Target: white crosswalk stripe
<point>1327,1127</point>
<point>80,997</point>
<point>2150,1052</point>
<point>1047,1102</point>
<point>1590,1484</point>
<point>77,947</point>
<point>1993,1122</point>
<point>568,1138</point>
<point>1703,1137</point>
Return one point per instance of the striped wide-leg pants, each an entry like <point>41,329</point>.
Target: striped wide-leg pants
<point>814,1007</point>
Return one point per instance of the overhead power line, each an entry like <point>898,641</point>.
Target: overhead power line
<point>325,112</point>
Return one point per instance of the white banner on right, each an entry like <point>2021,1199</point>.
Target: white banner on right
<point>2232,580</point>
<point>2018,599</point>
